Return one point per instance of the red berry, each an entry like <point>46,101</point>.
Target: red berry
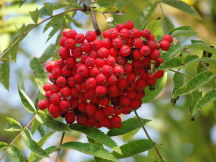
<point>64,53</point>
<point>70,43</point>
<point>118,70</point>
<point>61,81</point>
<point>97,44</point>
<point>112,33</point>
<point>117,43</point>
<point>49,66</point>
<point>112,80</point>
<point>70,117</point>
<point>101,78</point>
<point>82,70</point>
<point>90,109</point>
<point>91,83</point>
<point>77,52</point>
<point>159,74</point>
<point>89,61</point>
<point>90,36</point>
<point>79,38</point>
<point>109,110</point>
<point>98,115</point>
<point>111,60</point>
<point>54,110</point>
<point>165,45</point>
<point>47,86</point>
<point>100,90</point>
<point>103,52</point>
<point>107,70</point>
<point>116,121</point>
<point>81,120</point>
<point>129,25</point>
<point>125,50</point>
<point>168,38</point>
<point>64,105</point>
<point>65,91</point>
<point>107,43</point>
<point>55,98</point>
<point>94,71</point>
<point>145,51</point>
<point>99,62</point>
<point>124,34</point>
<point>85,47</point>
<point>135,33</point>
<point>138,42</point>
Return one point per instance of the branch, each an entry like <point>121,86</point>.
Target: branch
<point>36,25</point>
<point>14,140</point>
<point>148,136</point>
<point>62,138</point>
<point>94,21</point>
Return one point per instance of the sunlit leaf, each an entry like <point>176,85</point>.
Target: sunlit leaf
<point>5,70</point>
<point>26,101</point>
<point>14,152</point>
<point>147,12</point>
<point>127,126</point>
<point>195,83</point>
<point>13,125</point>
<point>3,145</point>
<point>182,6</point>
<point>167,24</point>
<point>182,31</point>
<point>89,148</point>
<point>31,144</point>
<point>34,15</point>
<point>134,147</point>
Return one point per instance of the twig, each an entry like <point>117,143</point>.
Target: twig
<point>94,21</point>
<point>62,138</point>
<point>148,136</point>
<point>14,140</point>
<point>36,25</point>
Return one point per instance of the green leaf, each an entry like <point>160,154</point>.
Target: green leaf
<point>182,6</point>
<point>89,148</point>
<point>52,123</point>
<point>34,15</point>
<point>201,102</point>
<point>49,7</point>
<point>155,27</point>
<point>195,83</point>
<point>134,147</point>
<point>96,135</point>
<point>49,52</point>
<point>35,126</point>
<point>13,125</point>
<point>45,138</point>
<point>147,12</point>
<point>26,101</point>
<point>151,94</point>
<point>174,51</point>
<point>31,144</point>
<point>177,62</point>
<point>3,145</point>
<point>34,158</point>
<point>196,95</point>
<point>14,152</point>
<point>182,31</point>
<point>127,126</point>
<point>167,25</point>
<point>39,73</point>
<point>201,46</point>
<point>128,136</point>
<point>5,70</point>
<point>54,31</point>
<point>214,107</point>
<point>13,52</point>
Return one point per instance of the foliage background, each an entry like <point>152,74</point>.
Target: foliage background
<point>180,139</point>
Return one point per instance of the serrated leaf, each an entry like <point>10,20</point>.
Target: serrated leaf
<point>182,31</point>
<point>195,97</point>
<point>54,31</point>
<point>127,126</point>
<point>128,136</point>
<point>147,12</point>
<point>167,25</point>
<point>3,145</point>
<point>194,84</point>
<point>201,46</point>
<point>34,158</point>
<point>177,62</point>
<point>134,147</point>
<point>5,70</point>
<point>151,94</point>
<point>182,6</point>
<point>14,152</point>
<point>34,15</point>
<point>173,51</point>
<point>89,148</point>
<point>31,144</point>
<point>52,123</point>
<point>26,101</point>
<point>53,22</point>
<point>45,138</point>
<point>201,102</point>
<point>39,73</point>
<point>13,52</point>
<point>13,125</point>
<point>96,135</point>
<point>49,52</point>
<point>35,126</point>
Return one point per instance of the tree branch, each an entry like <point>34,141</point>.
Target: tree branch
<point>148,136</point>
<point>14,140</point>
<point>62,138</point>
<point>36,25</point>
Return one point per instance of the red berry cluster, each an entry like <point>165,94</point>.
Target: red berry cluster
<point>97,80</point>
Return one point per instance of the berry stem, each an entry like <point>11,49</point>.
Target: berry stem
<point>14,140</point>
<point>36,25</point>
<point>94,20</point>
<point>148,136</point>
<point>62,138</point>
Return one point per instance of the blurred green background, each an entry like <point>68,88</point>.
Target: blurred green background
<point>179,138</point>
